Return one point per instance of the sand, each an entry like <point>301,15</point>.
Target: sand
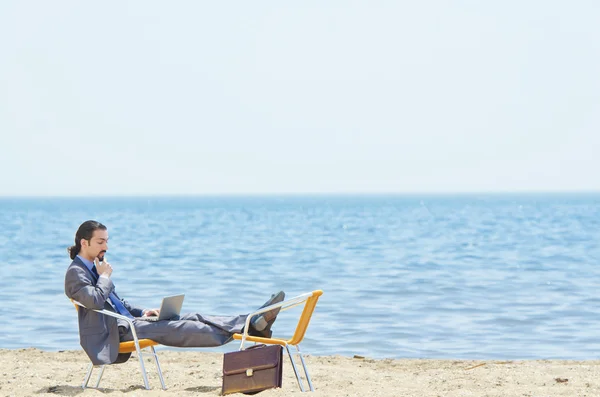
<point>32,372</point>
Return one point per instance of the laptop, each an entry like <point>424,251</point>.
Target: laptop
<point>169,308</point>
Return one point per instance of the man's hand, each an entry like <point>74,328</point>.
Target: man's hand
<point>151,313</point>
<point>103,267</point>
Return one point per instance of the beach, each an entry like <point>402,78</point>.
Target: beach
<point>27,372</point>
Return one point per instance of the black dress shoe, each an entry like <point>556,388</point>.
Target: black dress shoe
<point>264,321</point>
<point>266,333</point>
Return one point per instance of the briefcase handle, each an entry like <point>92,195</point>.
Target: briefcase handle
<point>260,345</point>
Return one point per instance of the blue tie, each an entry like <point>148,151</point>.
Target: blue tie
<point>113,298</point>
<point>119,305</point>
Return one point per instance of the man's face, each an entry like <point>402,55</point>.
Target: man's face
<point>97,245</point>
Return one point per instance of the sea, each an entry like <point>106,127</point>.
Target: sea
<point>469,276</point>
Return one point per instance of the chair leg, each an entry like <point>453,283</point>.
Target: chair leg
<point>160,375</point>
<point>100,375</point>
<point>86,380</point>
<point>143,369</point>
<point>87,376</point>
<point>305,369</point>
<point>287,347</point>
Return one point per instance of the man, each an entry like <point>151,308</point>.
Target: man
<point>88,281</point>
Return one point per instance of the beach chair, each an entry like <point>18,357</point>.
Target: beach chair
<point>125,350</point>
<point>310,301</point>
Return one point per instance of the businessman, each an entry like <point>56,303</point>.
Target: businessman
<point>88,281</point>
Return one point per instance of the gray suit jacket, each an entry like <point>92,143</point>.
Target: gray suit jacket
<point>98,334</point>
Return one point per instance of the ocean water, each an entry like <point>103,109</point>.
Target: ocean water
<point>465,276</point>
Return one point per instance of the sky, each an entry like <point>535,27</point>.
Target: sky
<point>275,97</point>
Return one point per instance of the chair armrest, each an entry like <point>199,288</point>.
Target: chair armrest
<point>112,314</point>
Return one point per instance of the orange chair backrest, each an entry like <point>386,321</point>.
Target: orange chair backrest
<point>309,307</point>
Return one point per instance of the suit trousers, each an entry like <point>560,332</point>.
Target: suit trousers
<point>189,330</point>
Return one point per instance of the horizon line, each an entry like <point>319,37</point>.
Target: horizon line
<point>309,194</point>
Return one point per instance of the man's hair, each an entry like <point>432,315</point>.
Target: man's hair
<point>85,231</point>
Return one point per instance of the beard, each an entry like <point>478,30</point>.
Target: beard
<point>101,256</point>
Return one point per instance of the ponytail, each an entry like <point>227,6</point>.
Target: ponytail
<point>73,250</point>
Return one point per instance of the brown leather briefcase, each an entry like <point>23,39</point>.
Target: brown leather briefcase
<point>252,370</point>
